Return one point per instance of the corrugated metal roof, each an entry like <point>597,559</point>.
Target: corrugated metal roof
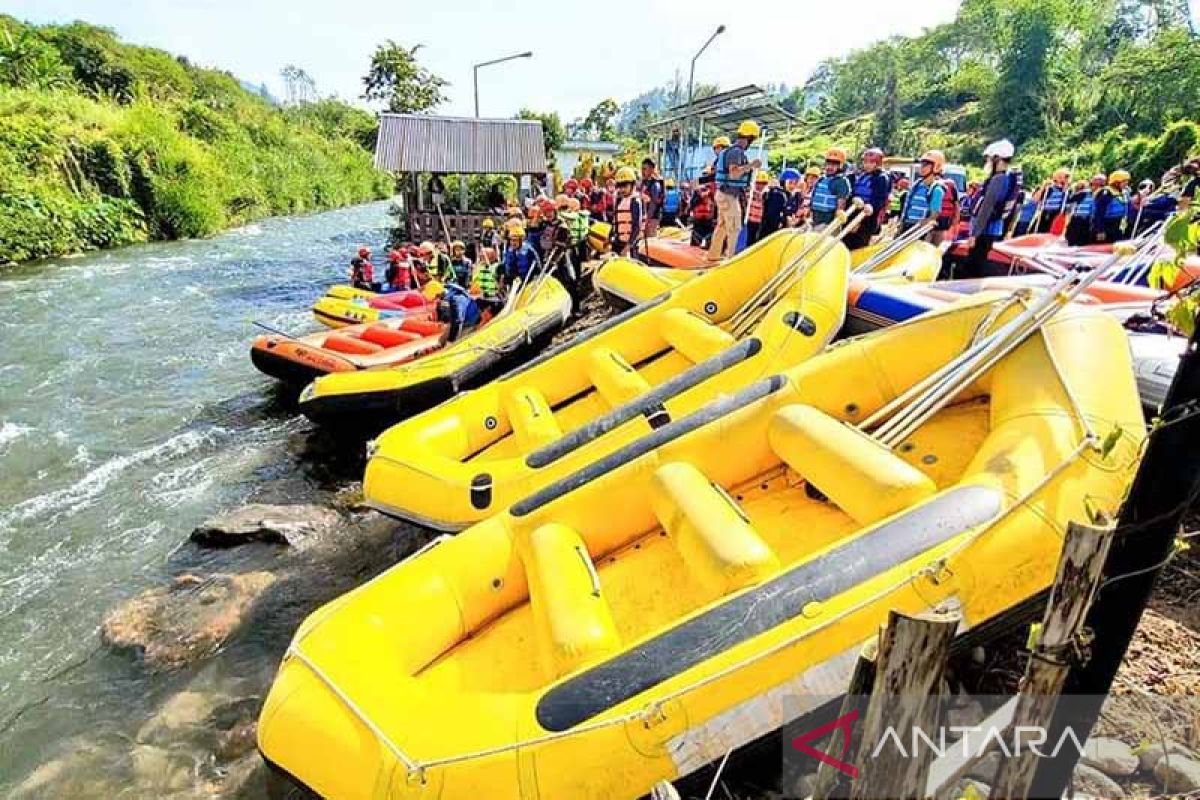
<point>420,143</point>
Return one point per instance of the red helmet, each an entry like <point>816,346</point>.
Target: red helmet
<point>872,153</point>
<point>394,256</point>
<point>546,206</point>
<point>571,185</point>
<point>586,183</point>
<point>364,252</point>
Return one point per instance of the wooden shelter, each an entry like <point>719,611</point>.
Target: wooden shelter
<point>411,145</point>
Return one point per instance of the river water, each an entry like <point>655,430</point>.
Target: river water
<point>129,412</point>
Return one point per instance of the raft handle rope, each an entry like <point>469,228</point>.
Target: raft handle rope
<point>590,567</point>
<point>896,245</point>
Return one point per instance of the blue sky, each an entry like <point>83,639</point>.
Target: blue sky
<point>583,52</point>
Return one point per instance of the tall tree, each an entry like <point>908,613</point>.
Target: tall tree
<point>553,131</point>
<point>400,83</point>
<point>298,85</point>
<point>1016,105</point>
<point>887,115</point>
<point>598,123</point>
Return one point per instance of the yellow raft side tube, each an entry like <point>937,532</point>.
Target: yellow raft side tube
<point>626,283</point>
<point>485,449</point>
<point>636,620</point>
<point>375,398</point>
<point>342,305</point>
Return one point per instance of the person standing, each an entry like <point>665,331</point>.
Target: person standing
<point>1190,176</point>
<point>1083,204</point>
<point>672,204</point>
<point>997,198</point>
<point>926,197</point>
<point>873,186</point>
<point>460,265</point>
<point>1110,214</point>
<point>651,189</point>
<point>790,182</point>
<point>831,193</point>
<point>628,216</point>
<point>754,207</point>
<point>1052,197</point>
<point>733,172</point>
<point>774,213</point>
<point>703,213</point>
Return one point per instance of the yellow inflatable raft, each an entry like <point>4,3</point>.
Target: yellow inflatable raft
<point>483,450</point>
<point>374,399</point>
<point>709,582</point>
<point>625,283</point>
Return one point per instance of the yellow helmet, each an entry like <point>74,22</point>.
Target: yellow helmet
<point>516,231</point>
<point>457,245</point>
<point>626,175</point>
<point>749,128</point>
<point>837,154</point>
<point>721,141</point>
<point>762,177</point>
<point>433,290</point>
<point>1119,176</point>
<point>670,183</point>
<point>489,223</point>
<point>813,172</point>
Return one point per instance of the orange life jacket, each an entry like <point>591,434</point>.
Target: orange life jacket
<point>625,218</point>
<point>754,212</point>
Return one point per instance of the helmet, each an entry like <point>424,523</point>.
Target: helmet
<point>872,153</point>
<point>1099,179</point>
<point>1146,186</point>
<point>936,157</point>
<point>1062,173</point>
<point>395,256</point>
<point>749,128</point>
<point>571,185</point>
<point>1000,149</point>
<point>561,201</point>
<point>721,141</point>
<point>364,252</point>
<point>812,172</point>
<point>573,204</point>
<point>1119,176</point>
<point>457,245</point>
<point>789,174</point>
<point>762,177</point>
<point>837,154</point>
<point>626,175</point>
<point>546,206</point>
<point>433,290</point>
<point>425,250</point>
<point>586,183</point>
<point>516,231</point>
<point>489,223</point>
<point>670,183</point>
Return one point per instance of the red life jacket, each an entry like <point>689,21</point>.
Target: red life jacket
<point>950,208</point>
<point>368,272</point>
<point>625,218</point>
<point>755,209</point>
<point>705,208</point>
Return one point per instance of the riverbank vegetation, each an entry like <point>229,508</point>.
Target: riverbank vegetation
<point>103,143</point>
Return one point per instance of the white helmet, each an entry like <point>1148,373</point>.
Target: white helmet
<point>1002,149</point>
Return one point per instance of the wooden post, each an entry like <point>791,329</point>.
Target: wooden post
<point>1162,491</point>
<point>906,696</point>
<point>830,781</point>
<point>1078,578</point>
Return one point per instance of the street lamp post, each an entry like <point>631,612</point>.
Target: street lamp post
<point>691,87</point>
<point>475,70</point>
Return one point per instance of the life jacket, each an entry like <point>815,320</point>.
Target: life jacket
<point>1004,208</point>
<point>863,185</point>
<point>823,198</point>
<point>368,272</point>
<point>462,271</point>
<point>724,179</point>
<point>1028,209</point>
<point>1054,199</point>
<point>465,307</point>
<point>794,201</point>
<point>518,261</point>
<point>1085,206</point>
<point>897,202</point>
<point>916,208</point>
<point>949,201</point>
<point>1118,207</point>
<point>705,208</point>
<point>965,203</point>
<point>754,209</point>
<point>624,220</point>
<point>671,201</point>
<point>485,279</point>
<point>399,275</point>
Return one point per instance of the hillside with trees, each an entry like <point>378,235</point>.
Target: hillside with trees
<point>104,143</point>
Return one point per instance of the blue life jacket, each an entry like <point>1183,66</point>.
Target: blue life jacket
<point>1054,199</point>
<point>823,198</point>
<point>463,307</point>
<point>1084,209</point>
<point>916,208</point>
<point>1004,207</point>
<point>863,185</point>
<point>518,261</point>
<point>724,179</point>
<point>671,201</point>
<point>1118,207</point>
<point>1028,209</point>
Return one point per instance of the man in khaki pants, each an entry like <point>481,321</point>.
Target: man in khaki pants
<point>733,174</point>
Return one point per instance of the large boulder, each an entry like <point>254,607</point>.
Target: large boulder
<point>1111,756</point>
<point>1178,774</point>
<point>1149,757</point>
<point>187,620</point>
<point>295,525</point>
<point>1089,780</point>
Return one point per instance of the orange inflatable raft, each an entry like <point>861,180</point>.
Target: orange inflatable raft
<point>300,360</point>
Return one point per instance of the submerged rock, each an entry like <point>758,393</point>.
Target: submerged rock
<point>185,711</point>
<point>171,626</point>
<point>294,525</point>
<point>86,769</point>
<point>156,769</point>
